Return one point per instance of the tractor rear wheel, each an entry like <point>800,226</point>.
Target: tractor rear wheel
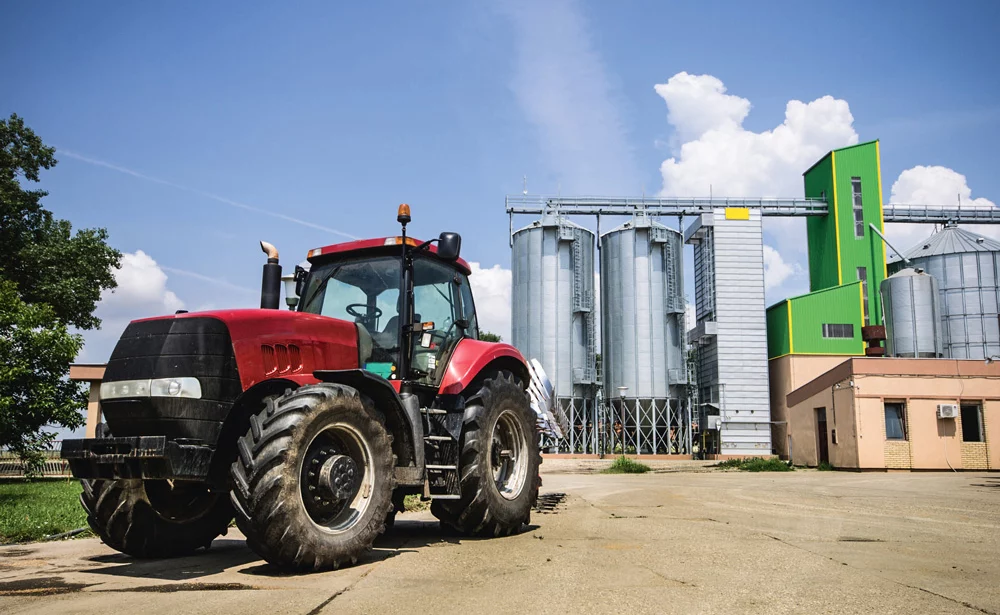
<point>499,462</point>
<point>313,480</point>
<point>155,518</point>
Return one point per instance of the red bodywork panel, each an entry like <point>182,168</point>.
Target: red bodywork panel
<point>469,358</point>
<point>370,244</point>
<point>271,344</point>
<point>284,344</point>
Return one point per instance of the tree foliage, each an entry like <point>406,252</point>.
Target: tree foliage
<point>50,280</point>
<point>35,352</point>
<point>39,252</point>
<point>486,336</point>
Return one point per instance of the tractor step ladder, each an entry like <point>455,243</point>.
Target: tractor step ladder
<point>442,476</point>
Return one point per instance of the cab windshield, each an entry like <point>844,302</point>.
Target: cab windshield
<point>366,291</point>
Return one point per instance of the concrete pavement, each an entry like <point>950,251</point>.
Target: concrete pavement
<point>669,542</point>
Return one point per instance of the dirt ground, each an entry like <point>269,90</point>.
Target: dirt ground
<point>680,540</point>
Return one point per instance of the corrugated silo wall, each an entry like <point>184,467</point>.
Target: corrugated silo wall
<point>553,302</point>
<point>642,313</point>
<point>912,315</point>
<point>969,292</point>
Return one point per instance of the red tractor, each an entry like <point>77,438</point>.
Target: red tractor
<point>311,426</point>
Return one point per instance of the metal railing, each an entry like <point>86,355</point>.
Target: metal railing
<point>660,206</point>
<point>901,212</point>
<point>693,206</point>
<point>625,426</point>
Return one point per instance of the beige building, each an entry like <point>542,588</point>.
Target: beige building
<point>785,374</point>
<point>92,374</point>
<point>880,413</point>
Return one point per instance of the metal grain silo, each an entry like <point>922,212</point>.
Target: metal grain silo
<point>643,336</point>
<point>912,314</point>
<point>553,316</point>
<point>966,267</point>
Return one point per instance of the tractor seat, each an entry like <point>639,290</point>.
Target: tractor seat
<point>392,325</point>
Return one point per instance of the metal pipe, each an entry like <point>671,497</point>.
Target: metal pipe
<point>906,261</point>
<point>270,283</point>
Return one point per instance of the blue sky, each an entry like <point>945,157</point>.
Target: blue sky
<point>181,125</point>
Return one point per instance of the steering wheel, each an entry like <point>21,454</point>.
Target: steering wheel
<point>353,312</point>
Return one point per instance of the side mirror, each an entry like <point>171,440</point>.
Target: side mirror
<point>449,246</point>
<point>300,280</point>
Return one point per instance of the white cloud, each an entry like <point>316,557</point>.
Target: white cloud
<point>491,292</point>
<point>142,286</point>
<point>699,103</point>
<point>932,185</point>
<point>717,152</point>
<point>776,270</point>
<point>712,151</point>
<point>563,88</point>
<point>142,291</point>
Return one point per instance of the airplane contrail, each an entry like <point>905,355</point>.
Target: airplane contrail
<point>202,193</point>
<point>205,278</point>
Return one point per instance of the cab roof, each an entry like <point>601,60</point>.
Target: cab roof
<point>379,246</point>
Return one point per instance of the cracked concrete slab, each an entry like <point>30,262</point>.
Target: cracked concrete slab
<point>669,542</point>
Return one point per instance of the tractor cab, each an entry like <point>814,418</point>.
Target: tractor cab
<point>407,324</point>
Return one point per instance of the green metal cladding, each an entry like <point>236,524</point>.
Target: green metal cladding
<point>835,252</point>
<point>795,326</point>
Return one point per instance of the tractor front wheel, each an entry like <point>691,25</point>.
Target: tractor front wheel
<point>499,462</point>
<point>155,518</point>
<point>313,480</point>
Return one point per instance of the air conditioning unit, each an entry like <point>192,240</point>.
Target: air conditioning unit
<point>947,411</point>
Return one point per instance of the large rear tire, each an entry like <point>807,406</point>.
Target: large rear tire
<point>499,462</point>
<point>155,518</point>
<point>313,480</point>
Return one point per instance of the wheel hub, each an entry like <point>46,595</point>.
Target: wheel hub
<point>508,455</point>
<point>336,478</point>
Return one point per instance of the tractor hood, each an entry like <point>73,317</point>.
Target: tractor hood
<point>271,343</point>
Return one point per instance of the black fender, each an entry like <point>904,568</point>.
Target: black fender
<point>401,414</point>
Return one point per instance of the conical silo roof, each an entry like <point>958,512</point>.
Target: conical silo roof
<point>952,240</point>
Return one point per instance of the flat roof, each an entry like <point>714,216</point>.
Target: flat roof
<point>86,372</point>
<point>893,366</point>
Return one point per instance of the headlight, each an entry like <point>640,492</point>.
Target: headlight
<point>155,387</point>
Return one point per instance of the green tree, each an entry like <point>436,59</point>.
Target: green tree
<point>35,352</point>
<point>486,336</point>
<point>50,280</point>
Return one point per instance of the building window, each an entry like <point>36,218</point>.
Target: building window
<point>838,331</point>
<point>972,423</point>
<point>859,210</point>
<point>863,276</point>
<point>895,421</point>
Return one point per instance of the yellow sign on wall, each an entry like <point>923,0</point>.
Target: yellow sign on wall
<point>737,213</point>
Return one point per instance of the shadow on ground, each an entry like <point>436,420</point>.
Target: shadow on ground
<point>231,553</point>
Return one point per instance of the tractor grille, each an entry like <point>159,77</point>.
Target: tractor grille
<point>174,347</point>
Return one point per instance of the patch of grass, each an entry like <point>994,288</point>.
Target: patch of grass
<point>755,464</point>
<point>624,465</point>
<point>413,503</point>
<point>729,464</point>
<point>825,467</point>
<point>32,510</point>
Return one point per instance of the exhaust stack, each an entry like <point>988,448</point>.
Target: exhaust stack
<point>270,284</point>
